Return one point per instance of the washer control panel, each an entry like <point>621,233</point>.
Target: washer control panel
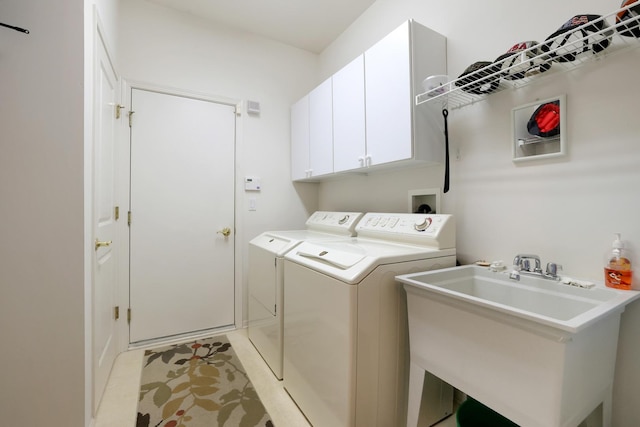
<point>435,230</point>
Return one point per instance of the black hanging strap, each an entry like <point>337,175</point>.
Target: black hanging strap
<point>22,30</point>
<point>445,113</point>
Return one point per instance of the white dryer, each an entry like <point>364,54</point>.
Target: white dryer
<point>266,278</point>
<point>346,358</point>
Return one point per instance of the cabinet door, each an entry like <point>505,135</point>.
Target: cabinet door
<point>388,98</point>
<point>300,139</point>
<point>321,129</point>
<point>349,117</point>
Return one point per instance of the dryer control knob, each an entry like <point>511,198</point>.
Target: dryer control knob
<point>422,225</point>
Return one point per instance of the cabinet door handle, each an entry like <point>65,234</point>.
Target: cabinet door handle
<point>361,161</point>
<point>367,159</point>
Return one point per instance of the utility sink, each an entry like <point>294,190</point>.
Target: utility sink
<point>540,352</point>
<point>540,300</point>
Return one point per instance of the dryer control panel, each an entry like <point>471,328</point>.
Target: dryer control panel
<point>433,230</point>
<point>334,222</point>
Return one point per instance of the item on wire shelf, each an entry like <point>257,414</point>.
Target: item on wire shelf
<point>436,85</point>
<point>579,35</point>
<point>627,20</point>
<point>479,78</point>
<point>524,59</point>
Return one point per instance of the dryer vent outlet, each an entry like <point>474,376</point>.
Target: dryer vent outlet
<point>425,201</point>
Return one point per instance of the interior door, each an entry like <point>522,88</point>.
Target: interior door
<point>104,345</point>
<point>182,211</point>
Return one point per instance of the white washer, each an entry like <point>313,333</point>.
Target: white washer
<point>346,358</point>
<point>265,282</point>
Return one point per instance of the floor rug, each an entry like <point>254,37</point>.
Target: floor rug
<point>198,384</point>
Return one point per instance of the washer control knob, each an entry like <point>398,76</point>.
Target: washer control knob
<point>343,219</point>
<point>422,225</point>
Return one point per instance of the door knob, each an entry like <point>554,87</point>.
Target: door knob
<point>225,231</point>
<point>105,243</point>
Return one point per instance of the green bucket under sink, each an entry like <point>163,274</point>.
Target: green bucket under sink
<point>472,413</point>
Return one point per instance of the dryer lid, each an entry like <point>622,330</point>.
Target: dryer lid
<point>335,257</point>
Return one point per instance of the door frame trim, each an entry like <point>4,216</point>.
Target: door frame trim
<point>124,165</point>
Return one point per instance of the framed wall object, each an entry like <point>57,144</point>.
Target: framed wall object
<point>538,129</point>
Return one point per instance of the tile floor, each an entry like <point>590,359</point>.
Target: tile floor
<point>120,401</point>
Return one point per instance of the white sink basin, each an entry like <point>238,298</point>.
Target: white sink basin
<point>540,352</point>
<point>544,301</point>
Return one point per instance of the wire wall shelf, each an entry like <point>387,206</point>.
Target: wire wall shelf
<point>569,50</point>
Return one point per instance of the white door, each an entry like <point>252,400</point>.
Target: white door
<point>104,342</point>
<point>182,199</point>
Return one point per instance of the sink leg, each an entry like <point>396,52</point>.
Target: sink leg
<point>601,415</point>
<point>607,411</point>
<point>416,383</point>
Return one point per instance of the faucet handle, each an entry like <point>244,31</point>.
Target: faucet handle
<point>517,261</point>
<point>552,269</point>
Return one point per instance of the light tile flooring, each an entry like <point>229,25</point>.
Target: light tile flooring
<point>120,401</point>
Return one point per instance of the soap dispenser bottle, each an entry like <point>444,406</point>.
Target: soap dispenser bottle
<point>617,268</point>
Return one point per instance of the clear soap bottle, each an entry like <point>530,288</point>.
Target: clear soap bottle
<point>617,269</point>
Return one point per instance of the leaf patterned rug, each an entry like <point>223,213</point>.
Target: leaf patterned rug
<point>198,384</point>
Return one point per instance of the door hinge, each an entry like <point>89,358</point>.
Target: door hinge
<point>129,315</point>
<point>118,108</point>
<point>117,213</point>
<point>129,218</point>
<point>130,115</point>
<point>116,312</point>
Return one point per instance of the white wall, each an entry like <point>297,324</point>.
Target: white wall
<point>41,215</point>
<point>565,210</point>
<point>167,48</point>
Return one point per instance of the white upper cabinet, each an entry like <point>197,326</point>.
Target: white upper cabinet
<point>388,98</point>
<point>300,168</point>
<point>394,70</point>
<point>321,130</point>
<point>349,144</point>
<point>365,117</point>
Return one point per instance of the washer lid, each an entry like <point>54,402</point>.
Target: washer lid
<point>351,260</point>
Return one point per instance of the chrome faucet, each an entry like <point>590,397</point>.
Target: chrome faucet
<point>522,263</point>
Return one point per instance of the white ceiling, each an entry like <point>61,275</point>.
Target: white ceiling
<point>307,24</point>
